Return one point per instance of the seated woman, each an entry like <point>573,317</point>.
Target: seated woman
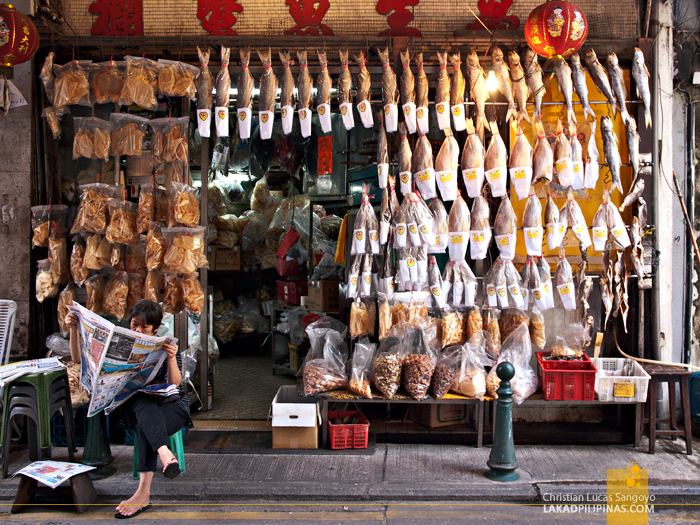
<point>153,418</point>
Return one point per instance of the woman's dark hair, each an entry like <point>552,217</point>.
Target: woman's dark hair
<point>149,311</point>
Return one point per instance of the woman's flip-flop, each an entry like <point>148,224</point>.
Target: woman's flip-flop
<point>172,470</point>
<point>121,516</point>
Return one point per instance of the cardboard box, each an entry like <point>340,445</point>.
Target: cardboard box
<point>323,296</point>
<point>211,257</point>
<point>295,420</point>
<point>439,415</point>
<point>228,258</point>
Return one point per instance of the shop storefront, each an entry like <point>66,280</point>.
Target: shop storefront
<point>206,155</point>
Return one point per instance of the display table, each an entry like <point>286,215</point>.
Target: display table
<point>342,396</point>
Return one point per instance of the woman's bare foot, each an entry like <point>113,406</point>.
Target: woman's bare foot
<point>166,456</point>
<point>141,497</point>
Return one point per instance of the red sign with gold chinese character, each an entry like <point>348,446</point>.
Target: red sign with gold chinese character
<point>325,155</point>
<point>19,39</point>
<point>556,29</point>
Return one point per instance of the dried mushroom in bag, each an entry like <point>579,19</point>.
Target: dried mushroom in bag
<point>115,294</point>
<point>193,296</point>
<point>141,83</point>
<point>122,222</point>
<point>45,286</point>
<point>78,272</point>
<point>185,204</point>
<point>127,134</point>
<point>94,288</point>
<point>173,299</point>
<point>65,298</point>
<point>416,373</point>
<point>71,85</point>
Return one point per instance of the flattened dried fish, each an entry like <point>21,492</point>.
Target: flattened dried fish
<point>323,81</point>
<point>612,155</point>
<point>533,77</point>
<point>520,89</point>
<point>532,214</point>
<point>600,78</point>
<point>580,87</point>
<point>268,82</point>
<point>287,94</point>
<point>473,152</point>
<point>459,218</point>
<point>505,222</point>
<point>496,155</point>
<point>407,83</point>
<point>480,217</point>
<point>641,78</point>
<point>502,73</point>
<point>551,212</point>
<point>344,78</point>
<point>305,85</point>
<point>543,162</point>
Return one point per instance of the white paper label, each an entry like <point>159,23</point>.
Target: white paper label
<point>458,117</point>
<point>413,234</point>
<point>506,245</point>
<point>384,228</point>
<point>473,180</point>
<point>514,291</point>
<point>374,241</point>
<point>555,234</point>
<point>401,234</point>
<point>459,241</point>
<point>287,119</point>
<point>266,121</point>
<point>305,122</point>
<point>422,119</point>
<point>391,117</point>
<point>457,293</point>
<point>405,179</point>
<point>577,175</point>
<point>422,266</point>
<point>348,117</point>
<point>438,295</point>
<point>521,178</point>
<point>492,295</point>
<point>324,117</point>
<point>600,238</point>
<point>592,173</point>
<point>548,294</point>
<point>221,121</point>
<point>404,272</point>
<point>358,242</point>
<point>426,233</point>
<point>502,295</point>
<point>469,294</point>
<point>568,295</point>
<point>439,244</point>
<point>526,298</point>
<point>383,175</point>
<point>497,180</point>
<point>480,240</point>
<point>443,115</point>
<point>352,285</point>
<point>447,182</point>
<point>204,122</point>
<point>366,285</point>
<point>409,115</point>
<point>581,231</point>
<point>365,110</point>
<point>563,167</point>
<point>412,268</point>
<point>533,240</point>
<point>245,117</point>
<point>425,181</point>
<point>540,300</point>
<point>620,233</point>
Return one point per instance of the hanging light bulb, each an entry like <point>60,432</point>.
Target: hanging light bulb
<point>491,81</point>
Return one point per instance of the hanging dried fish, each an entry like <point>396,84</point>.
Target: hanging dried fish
<point>268,94</point>
<point>566,87</point>
<point>223,80</point>
<point>440,228</point>
<point>600,78</point>
<point>390,94</point>
<point>577,221</point>
<point>344,86</point>
<point>564,281</point>
<point>244,102</point>
<point>520,89</point>
<point>520,165</point>
<point>442,93</point>
<point>562,161</point>
<point>362,96</point>
<point>617,82</point>
<point>478,92</point>
<point>576,156</point>
<point>382,158</point>
<point>641,78</point>
<point>495,163</point>
<point>504,228</point>
<point>323,93</point>
<point>592,166</point>
<point>473,162</point>
<point>580,87</point>
<point>404,156</point>
<point>457,87</point>
<point>610,150</point>
<point>287,92</point>
<point>633,146</point>
<point>480,228</point>
<point>543,161</point>
<point>421,95</point>
<point>408,92</point>
<point>305,85</point>
<point>532,226</point>
<point>533,77</point>
<point>422,168</point>
<point>502,72</point>
<point>446,164</point>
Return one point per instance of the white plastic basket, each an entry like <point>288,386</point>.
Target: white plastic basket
<point>620,389</point>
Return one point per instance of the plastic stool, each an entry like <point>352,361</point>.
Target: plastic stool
<point>174,444</point>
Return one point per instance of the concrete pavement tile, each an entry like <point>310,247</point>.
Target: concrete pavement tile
<point>327,491</point>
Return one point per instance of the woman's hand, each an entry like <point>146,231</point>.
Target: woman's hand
<point>71,321</point>
<point>170,350</point>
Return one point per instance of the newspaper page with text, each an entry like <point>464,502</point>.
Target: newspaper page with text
<point>115,362</point>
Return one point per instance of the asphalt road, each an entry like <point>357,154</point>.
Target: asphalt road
<point>356,514</point>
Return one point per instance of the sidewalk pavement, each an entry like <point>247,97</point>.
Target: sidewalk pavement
<point>400,472</point>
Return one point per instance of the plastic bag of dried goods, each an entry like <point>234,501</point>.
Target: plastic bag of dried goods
<point>361,368</point>
<point>444,373</point>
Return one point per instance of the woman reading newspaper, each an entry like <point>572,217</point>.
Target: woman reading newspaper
<point>153,418</point>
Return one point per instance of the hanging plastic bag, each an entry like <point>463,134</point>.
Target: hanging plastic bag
<point>46,219</point>
<point>71,85</point>
<point>324,366</point>
<point>115,295</point>
<point>107,81</point>
<point>122,222</point>
<point>565,281</point>
<point>480,228</point>
<point>452,328</point>
<point>169,141</point>
<point>185,252</point>
<point>128,132</point>
<point>362,316</point>
<point>491,326</point>
<point>156,247</point>
<point>92,138</point>
<point>446,165</point>
<point>520,165</point>
<point>152,286</point>
<point>136,291</point>
<point>504,229</point>
<point>184,205</point>
<point>459,224</point>
<point>58,255</point>
<point>141,83</point>
<point>94,288</point>
<point>192,294</point>
<point>78,272</point>
<point>93,211</point>
<point>361,368</point>
<point>577,221</point>
<point>65,298</point>
<point>176,79</point>
<point>173,299</point>
<point>422,168</point>
<point>517,351</point>
<point>472,163</point>
<point>97,253</point>
<point>537,329</point>
<point>470,373</point>
<point>45,286</point>
<point>495,163</point>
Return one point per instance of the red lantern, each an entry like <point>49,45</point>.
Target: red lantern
<point>19,39</point>
<point>556,29</point>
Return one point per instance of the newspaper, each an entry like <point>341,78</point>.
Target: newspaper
<point>116,362</point>
<point>52,473</point>
<point>12,371</point>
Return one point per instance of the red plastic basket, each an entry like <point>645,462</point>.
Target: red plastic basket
<point>348,436</point>
<point>292,290</point>
<point>567,380</point>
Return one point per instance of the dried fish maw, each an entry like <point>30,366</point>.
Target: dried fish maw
<point>152,286</point>
<point>127,140</point>
<point>102,141</point>
<point>186,208</point>
<point>78,272</point>
<point>173,300</point>
<point>107,85</point>
<point>115,294</point>
<point>83,144</point>
<point>193,296</point>
<point>70,88</point>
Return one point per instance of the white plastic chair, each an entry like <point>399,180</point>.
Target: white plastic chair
<point>8,310</point>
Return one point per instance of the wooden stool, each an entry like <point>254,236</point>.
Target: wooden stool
<point>82,492</point>
<point>670,375</point>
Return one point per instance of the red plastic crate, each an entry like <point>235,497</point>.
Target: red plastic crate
<point>567,380</point>
<point>292,290</point>
<point>348,436</point>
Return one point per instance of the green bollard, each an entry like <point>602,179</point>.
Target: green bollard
<point>501,461</point>
<point>97,452</point>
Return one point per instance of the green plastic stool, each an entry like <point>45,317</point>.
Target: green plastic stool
<point>174,444</point>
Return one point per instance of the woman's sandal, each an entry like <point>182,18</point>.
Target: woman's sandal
<point>172,469</point>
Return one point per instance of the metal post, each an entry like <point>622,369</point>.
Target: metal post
<point>501,461</point>
<point>203,278</point>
